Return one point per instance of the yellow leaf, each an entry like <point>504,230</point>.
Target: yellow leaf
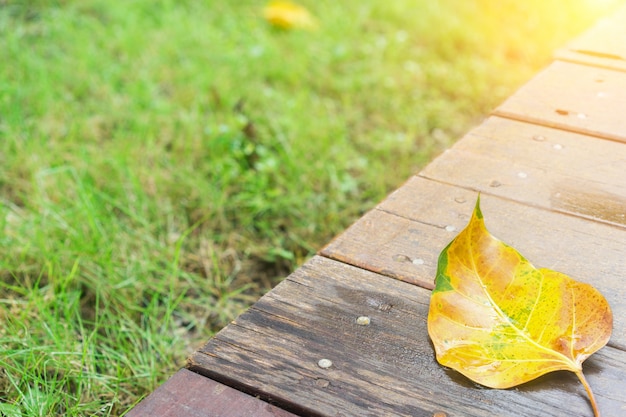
<point>287,15</point>
<point>501,322</point>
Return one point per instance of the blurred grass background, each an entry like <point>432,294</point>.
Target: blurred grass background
<point>163,163</point>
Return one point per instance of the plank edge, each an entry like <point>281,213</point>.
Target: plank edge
<point>188,393</point>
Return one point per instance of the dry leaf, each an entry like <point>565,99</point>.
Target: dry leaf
<point>501,322</point>
<point>287,15</point>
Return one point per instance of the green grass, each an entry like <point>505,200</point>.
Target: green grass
<point>163,163</point>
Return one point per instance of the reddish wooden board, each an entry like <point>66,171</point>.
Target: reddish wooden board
<point>603,45</point>
<point>387,368</point>
<point>573,97</point>
<point>539,166</point>
<point>407,231</point>
<point>191,395</point>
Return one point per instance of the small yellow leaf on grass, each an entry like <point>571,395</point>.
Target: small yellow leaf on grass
<point>287,15</point>
<point>501,322</point>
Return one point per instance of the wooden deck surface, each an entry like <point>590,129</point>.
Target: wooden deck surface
<point>550,164</point>
<point>603,45</point>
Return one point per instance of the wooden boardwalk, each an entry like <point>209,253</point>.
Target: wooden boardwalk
<point>550,164</point>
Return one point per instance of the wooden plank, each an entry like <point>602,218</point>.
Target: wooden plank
<point>603,45</point>
<point>384,369</point>
<point>187,394</point>
<point>403,237</point>
<point>545,167</point>
<point>573,97</point>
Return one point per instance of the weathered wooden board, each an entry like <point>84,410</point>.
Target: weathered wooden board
<point>603,45</point>
<point>574,97</point>
<point>403,237</point>
<point>187,394</point>
<point>384,369</point>
<point>540,166</point>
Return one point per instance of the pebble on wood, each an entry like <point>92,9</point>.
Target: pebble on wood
<point>325,363</point>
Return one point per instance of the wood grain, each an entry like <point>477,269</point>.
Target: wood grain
<point>603,45</point>
<point>573,97</point>
<point>408,230</point>
<point>187,394</point>
<point>540,166</point>
<point>384,369</point>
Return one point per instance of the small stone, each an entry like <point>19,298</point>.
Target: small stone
<point>450,228</point>
<point>363,321</point>
<point>495,184</point>
<point>539,138</point>
<point>557,146</point>
<point>325,363</point>
<point>581,115</point>
<point>460,200</point>
<point>418,261</point>
<point>522,175</point>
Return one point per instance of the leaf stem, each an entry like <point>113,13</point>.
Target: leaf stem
<point>592,399</point>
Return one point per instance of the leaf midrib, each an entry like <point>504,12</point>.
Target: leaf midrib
<point>505,317</point>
